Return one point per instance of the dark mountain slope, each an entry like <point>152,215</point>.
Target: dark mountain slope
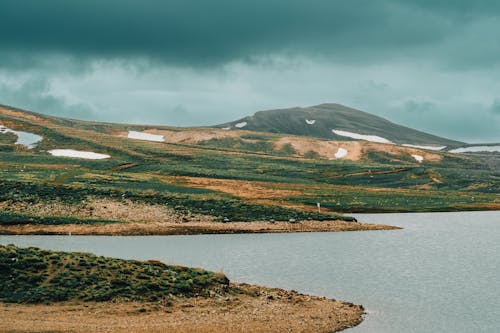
<point>328,117</point>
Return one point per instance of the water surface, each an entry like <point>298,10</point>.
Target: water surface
<point>440,274</point>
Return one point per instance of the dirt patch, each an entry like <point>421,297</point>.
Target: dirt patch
<point>324,149</point>
<point>355,149</point>
<point>401,151</point>
<point>256,309</point>
<point>189,136</point>
<point>482,206</point>
<point>190,228</point>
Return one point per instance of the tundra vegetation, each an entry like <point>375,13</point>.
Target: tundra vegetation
<point>82,292</point>
<point>31,275</point>
<point>244,177</point>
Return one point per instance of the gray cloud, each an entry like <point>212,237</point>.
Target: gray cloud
<point>469,122</point>
<point>495,106</point>
<point>432,65</point>
<point>35,94</point>
<point>207,33</point>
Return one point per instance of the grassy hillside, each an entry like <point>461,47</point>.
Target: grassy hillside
<point>31,275</point>
<point>335,116</point>
<point>221,175</point>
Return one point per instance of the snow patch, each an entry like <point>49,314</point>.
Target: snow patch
<point>341,152</point>
<point>310,122</point>
<point>476,149</point>
<point>226,128</point>
<point>29,140</point>
<point>78,154</point>
<point>418,158</point>
<point>371,138</point>
<point>241,125</point>
<point>425,147</point>
<point>145,136</point>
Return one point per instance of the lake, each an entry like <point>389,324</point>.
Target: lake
<point>439,274</point>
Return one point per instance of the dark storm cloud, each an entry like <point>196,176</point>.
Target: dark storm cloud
<point>201,33</point>
<point>428,64</point>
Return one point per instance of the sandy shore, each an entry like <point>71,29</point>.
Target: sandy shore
<point>190,228</point>
<point>260,310</point>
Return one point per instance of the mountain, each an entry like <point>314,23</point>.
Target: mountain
<point>336,122</point>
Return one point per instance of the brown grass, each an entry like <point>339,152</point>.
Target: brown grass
<point>256,310</point>
<point>24,115</point>
<point>241,188</point>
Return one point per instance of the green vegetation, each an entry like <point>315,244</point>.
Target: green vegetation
<point>386,201</point>
<point>237,179</point>
<point>224,207</point>
<point>9,218</point>
<point>31,275</point>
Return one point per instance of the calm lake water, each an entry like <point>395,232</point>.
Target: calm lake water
<point>440,274</point>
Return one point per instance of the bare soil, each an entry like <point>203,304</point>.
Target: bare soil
<point>190,136</point>
<point>257,310</point>
<point>324,149</point>
<point>189,228</point>
<point>355,149</point>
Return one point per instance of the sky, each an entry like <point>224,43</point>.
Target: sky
<point>433,65</point>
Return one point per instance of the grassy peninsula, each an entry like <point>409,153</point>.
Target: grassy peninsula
<point>67,291</point>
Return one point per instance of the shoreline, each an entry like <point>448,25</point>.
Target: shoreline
<point>259,310</point>
<point>189,228</point>
<point>55,291</point>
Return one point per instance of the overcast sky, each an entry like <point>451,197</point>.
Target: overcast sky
<point>433,65</point>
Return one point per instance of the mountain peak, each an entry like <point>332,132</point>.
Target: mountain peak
<point>335,122</point>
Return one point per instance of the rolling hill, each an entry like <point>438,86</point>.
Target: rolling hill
<point>336,122</point>
<point>71,172</point>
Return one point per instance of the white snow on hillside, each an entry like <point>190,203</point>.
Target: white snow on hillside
<point>310,122</point>
<point>241,125</point>
<point>29,140</point>
<point>371,138</point>
<point>341,152</point>
<point>476,149</point>
<point>425,147</point>
<point>226,128</point>
<point>418,158</point>
<point>145,136</point>
<point>78,154</point>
